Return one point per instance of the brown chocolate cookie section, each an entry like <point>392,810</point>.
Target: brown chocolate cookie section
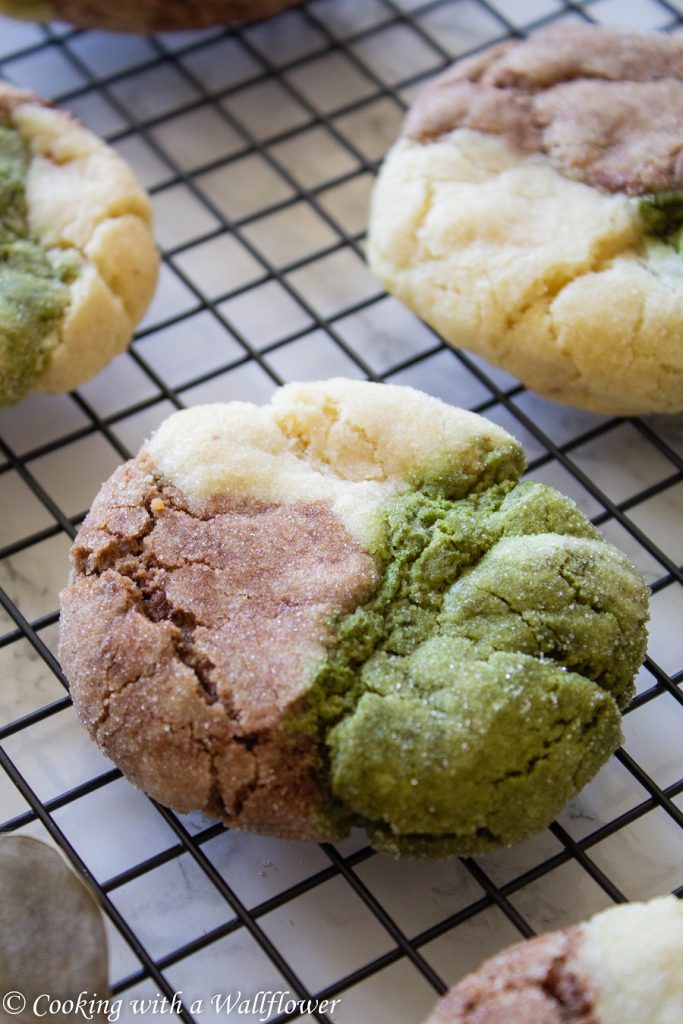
<point>155,15</point>
<point>535,982</point>
<point>189,633</point>
<point>606,105</point>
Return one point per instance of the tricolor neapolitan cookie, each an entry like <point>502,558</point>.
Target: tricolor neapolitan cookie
<point>343,608</point>
<point>623,966</point>
<point>79,263</point>
<point>145,15</point>
<point>532,212</point>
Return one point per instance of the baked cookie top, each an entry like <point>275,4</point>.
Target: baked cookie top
<point>343,608</point>
<point>78,259</point>
<point>606,106</point>
<point>532,208</point>
<point>620,967</point>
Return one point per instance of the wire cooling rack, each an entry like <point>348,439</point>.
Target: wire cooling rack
<point>259,148</point>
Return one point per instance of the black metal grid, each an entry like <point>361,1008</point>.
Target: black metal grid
<point>379,24</point>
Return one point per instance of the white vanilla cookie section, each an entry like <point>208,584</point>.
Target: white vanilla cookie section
<point>82,197</point>
<point>541,274</point>
<point>633,955</point>
<point>351,443</point>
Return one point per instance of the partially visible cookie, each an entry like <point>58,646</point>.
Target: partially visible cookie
<point>79,264</point>
<point>532,211</point>
<point>344,609</point>
<point>145,15</point>
<point>623,966</point>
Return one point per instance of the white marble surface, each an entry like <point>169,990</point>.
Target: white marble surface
<point>327,931</point>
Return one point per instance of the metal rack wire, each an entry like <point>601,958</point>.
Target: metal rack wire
<point>331,77</point>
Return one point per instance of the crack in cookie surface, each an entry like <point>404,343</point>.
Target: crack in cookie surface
<point>488,664</point>
<point>240,593</point>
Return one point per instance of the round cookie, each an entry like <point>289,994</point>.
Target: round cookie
<point>531,212</point>
<point>345,609</point>
<point>145,15</point>
<point>620,967</point>
<point>79,264</point>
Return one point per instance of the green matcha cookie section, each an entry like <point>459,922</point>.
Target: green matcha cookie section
<point>34,284</point>
<point>662,217</point>
<point>486,755</point>
<point>478,689</point>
